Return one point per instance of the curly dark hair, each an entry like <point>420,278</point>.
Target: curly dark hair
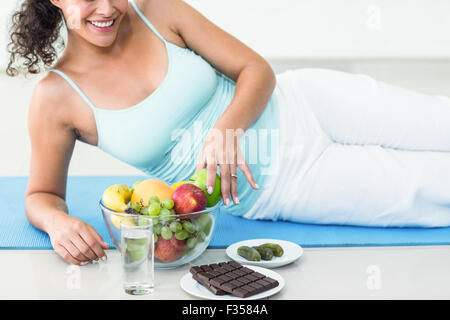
<point>35,30</point>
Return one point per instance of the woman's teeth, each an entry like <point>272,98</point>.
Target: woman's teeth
<point>102,24</point>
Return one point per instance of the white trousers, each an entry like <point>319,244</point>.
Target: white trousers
<point>358,151</point>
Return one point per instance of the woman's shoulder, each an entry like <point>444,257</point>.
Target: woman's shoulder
<point>51,99</point>
<point>50,89</point>
<point>163,12</point>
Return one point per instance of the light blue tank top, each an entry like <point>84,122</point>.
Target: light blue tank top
<point>163,134</point>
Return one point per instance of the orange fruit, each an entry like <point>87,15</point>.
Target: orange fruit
<point>177,184</point>
<point>151,187</point>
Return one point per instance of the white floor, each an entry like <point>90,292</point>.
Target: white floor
<point>420,272</point>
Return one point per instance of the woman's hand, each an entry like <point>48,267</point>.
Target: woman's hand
<point>223,150</point>
<point>76,241</point>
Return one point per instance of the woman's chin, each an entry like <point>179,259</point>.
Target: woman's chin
<point>103,43</point>
<point>102,38</point>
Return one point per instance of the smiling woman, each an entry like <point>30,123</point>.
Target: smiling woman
<point>325,146</point>
<point>98,92</point>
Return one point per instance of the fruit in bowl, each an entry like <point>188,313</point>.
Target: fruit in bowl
<point>148,188</point>
<point>182,231</point>
<point>199,180</point>
<point>169,250</point>
<point>188,198</point>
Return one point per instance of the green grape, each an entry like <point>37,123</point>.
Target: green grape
<point>175,226</point>
<point>201,236</point>
<point>189,226</point>
<point>154,199</point>
<point>166,233</point>
<point>154,209</point>
<point>143,222</point>
<point>165,214</point>
<point>181,235</point>
<point>191,242</point>
<point>136,206</point>
<point>205,222</point>
<point>155,220</point>
<point>167,203</point>
<point>145,211</point>
<point>157,228</point>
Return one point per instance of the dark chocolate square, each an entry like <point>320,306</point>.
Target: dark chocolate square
<point>220,270</point>
<point>258,275</point>
<point>241,293</point>
<point>233,275</point>
<point>206,268</point>
<point>228,267</point>
<point>251,277</point>
<point>237,283</point>
<point>249,289</point>
<point>263,283</point>
<point>195,270</point>
<point>244,280</point>
<point>228,287</point>
<point>246,270</point>
<point>235,264</point>
<point>239,272</point>
<point>206,276</point>
<point>225,277</point>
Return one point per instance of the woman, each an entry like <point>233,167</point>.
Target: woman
<point>325,146</point>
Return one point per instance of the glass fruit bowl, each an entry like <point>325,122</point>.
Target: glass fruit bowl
<point>188,238</point>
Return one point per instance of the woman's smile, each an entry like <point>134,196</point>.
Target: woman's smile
<point>102,25</point>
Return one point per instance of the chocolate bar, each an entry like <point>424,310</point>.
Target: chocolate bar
<point>231,277</point>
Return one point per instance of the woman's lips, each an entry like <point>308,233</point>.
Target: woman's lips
<point>102,26</point>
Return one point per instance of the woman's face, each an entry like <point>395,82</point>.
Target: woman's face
<point>96,21</point>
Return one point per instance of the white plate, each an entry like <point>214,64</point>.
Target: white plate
<point>292,252</point>
<point>191,286</point>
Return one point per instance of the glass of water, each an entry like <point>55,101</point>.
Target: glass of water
<point>137,248</point>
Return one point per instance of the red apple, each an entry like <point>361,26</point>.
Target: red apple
<point>169,250</point>
<point>188,198</point>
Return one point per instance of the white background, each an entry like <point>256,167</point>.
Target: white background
<point>406,42</point>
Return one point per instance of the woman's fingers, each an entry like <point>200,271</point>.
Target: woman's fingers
<point>65,254</point>
<point>84,248</point>
<point>233,177</point>
<point>98,237</point>
<point>74,251</point>
<point>225,183</point>
<point>94,244</point>
<point>248,174</point>
<point>211,171</point>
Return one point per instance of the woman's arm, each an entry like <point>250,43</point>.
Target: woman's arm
<point>255,79</point>
<point>52,143</point>
<point>255,82</point>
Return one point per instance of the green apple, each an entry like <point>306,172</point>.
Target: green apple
<point>199,179</point>
<point>134,185</point>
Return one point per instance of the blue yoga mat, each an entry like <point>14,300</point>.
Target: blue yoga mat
<point>83,194</point>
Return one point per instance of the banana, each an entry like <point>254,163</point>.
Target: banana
<point>116,197</point>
